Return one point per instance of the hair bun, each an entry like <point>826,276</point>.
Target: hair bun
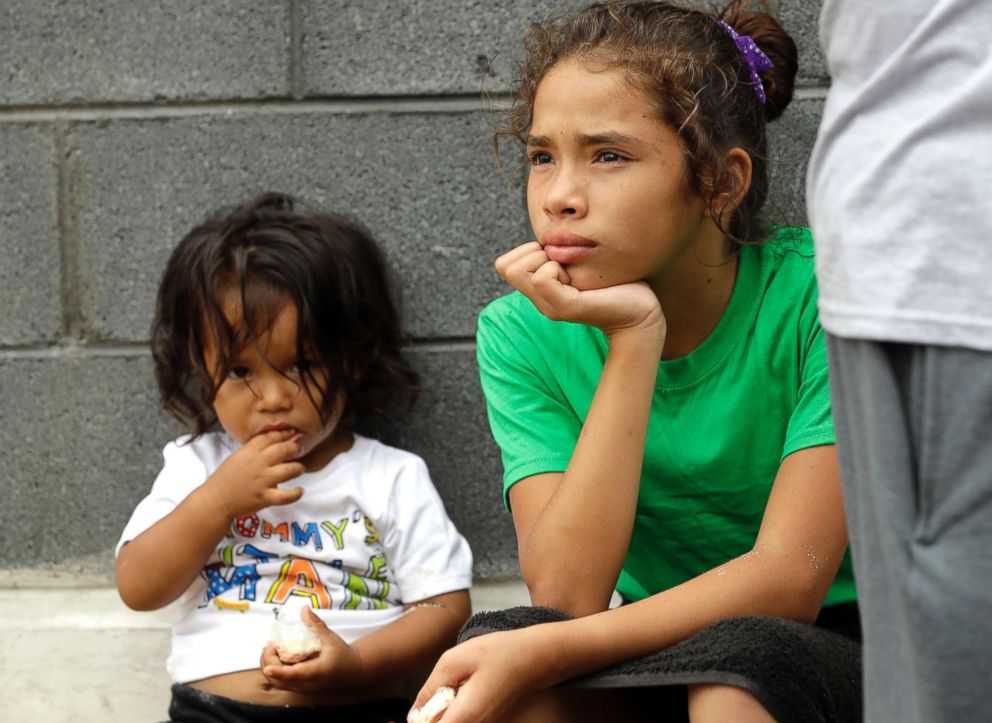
<point>771,38</point>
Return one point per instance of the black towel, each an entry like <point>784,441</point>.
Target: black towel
<point>798,672</point>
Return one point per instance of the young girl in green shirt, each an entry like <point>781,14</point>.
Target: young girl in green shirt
<point>657,385</point>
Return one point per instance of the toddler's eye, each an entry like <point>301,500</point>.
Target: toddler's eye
<point>239,373</point>
<point>539,158</point>
<point>302,366</point>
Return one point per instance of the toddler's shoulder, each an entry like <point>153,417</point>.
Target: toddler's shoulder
<point>372,453</point>
<point>209,449</point>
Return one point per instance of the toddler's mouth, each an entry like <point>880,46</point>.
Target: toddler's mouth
<point>281,427</point>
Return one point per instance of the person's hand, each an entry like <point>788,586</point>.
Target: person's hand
<point>337,665</point>
<point>491,674</point>
<point>249,479</point>
<point>546,283</point>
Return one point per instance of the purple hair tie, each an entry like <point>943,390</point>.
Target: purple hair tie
<point>755,58</point>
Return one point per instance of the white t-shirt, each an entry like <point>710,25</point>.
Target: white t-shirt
<point>369,535</point>
<point>899,181</point>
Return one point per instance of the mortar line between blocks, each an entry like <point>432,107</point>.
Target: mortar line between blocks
<point>297,68</point>
<point>247,108</point>
<point>73,349</point>
<point>68,229</point>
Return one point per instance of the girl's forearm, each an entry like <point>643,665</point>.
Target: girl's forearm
<point>412,644</point>
<point>762,582</point>
<point>568,562</point>
<point>159,565</point>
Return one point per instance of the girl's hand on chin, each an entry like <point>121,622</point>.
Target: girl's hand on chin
<point>613,309</point>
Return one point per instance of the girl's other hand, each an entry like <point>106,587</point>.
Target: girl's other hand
<point>546,283</point>
<point>491,674</point>
<point>249,479</point>
<point>336,666</point>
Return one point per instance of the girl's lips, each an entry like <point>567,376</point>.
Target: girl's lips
<point>568,254</point>
<point>566,247</point>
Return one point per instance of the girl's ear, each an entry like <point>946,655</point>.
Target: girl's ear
<point>736,177</point>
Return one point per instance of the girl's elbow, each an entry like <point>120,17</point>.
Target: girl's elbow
<point>806,596</point>
<point>567,599</point>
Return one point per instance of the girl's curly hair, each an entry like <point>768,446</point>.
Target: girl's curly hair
<point>691,69</point>
<point>266,254</point>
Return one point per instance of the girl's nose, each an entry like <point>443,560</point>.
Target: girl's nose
<point>565,196</point>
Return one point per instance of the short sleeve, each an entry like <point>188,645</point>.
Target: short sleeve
<point>427,554</point>
<point>531,421</point>
<point>811,422</point>
<point>182,472</point>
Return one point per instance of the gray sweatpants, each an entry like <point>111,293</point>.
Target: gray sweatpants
<point>914,436</point>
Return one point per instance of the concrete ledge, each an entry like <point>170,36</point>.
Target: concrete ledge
<point>82,655</point>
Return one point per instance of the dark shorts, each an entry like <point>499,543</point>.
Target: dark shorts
<point>190,705</point>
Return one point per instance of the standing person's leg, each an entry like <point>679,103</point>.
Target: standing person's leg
<point>914,432</point>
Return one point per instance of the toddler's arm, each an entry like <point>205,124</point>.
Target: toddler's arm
<point>246,482</point>
<point>406,647</point>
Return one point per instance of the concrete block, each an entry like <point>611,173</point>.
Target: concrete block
<point>439,47</point>
<point>801,21</point>
<point>442,47</point>
<point>58,51</point>
<point>790,140</point>
<point>84,448</point>
<point>30,279</point>
<point>424,183</point>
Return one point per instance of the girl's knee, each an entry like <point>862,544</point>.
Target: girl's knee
<point>725,703</point>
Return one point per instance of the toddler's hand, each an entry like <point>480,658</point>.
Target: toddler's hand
<point>249,479</point>
<point>546,283</point>
<point>337,665</point>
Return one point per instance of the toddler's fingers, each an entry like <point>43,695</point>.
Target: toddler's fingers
<point>285,471</point>
<point>284,449</point>
<point>274,436</point>
<point>269,655</point>
<point>277,497</point>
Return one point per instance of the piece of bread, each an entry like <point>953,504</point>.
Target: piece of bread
<point>433,709</point>
<point>295,641</point>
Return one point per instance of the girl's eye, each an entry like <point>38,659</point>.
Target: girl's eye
<point>539,158</point>
<point>239,373</point>
<point>609,157</point>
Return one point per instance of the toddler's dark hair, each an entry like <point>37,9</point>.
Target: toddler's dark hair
<point>267,254</point>
<point>691,69</point>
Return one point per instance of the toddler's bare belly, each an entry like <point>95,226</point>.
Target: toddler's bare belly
<point>250,686</point>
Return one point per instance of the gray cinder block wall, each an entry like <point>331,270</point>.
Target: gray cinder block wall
<point>124,123</point>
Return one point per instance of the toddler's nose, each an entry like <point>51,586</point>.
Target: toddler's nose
<point>275,392</point>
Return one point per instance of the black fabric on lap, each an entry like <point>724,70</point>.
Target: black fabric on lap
<point>801,673</point>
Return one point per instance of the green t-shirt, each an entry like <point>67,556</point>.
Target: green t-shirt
<point>722,419</point>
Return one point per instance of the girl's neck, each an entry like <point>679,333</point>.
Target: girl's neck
<point>695,300</point>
